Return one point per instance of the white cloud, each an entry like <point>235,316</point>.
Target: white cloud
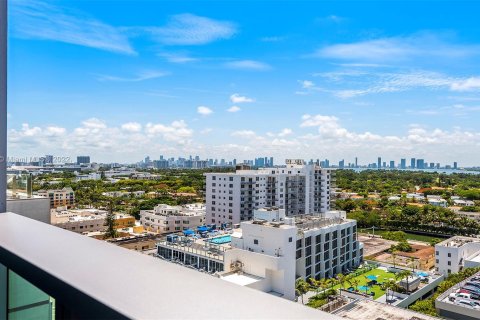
<point>177,131</point>
<point>204,111</point>
<point>469,84</point>
<point>206,131</point>
<point>147,75</point>
<point>285,132</point>
<point>306,84</point>
<point>236,98</point>
<point>177,57</point>
<point>425,45</point>
<point>189,29</point>
<point>234,109</point>
<point>40,20</point>
<point>132,127</point>
<point>357,83</point>
<point>248,65</point>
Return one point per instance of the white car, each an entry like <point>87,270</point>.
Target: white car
<point>467,304</point>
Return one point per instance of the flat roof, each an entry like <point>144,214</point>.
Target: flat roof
<point>149,288</point>
<point>369,310</point>
<point>241,279</point>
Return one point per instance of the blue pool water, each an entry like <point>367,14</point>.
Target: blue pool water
<point>363,288</point>
<point>422,274</point>
<point>222,239</point>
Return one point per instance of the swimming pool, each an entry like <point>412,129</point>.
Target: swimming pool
<point>221,240</point>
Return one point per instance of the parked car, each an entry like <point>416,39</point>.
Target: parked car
<point>467,304</point>
<point>461,295</point>
<point>473,283</point>
<point>472,295</point>
<point>471,289</point>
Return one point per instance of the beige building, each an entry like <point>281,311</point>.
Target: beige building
<point>167,219</point>
<point>87,220</point>
<point>59,198</point>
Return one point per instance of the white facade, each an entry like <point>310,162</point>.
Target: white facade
<point>456,253</point>
<point>167,219</point>
<point>297,188</point>
<point>272,251</point>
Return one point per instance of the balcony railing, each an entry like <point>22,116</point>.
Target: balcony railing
<point>92,279</point>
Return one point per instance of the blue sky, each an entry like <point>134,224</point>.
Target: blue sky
<point>121,80</point>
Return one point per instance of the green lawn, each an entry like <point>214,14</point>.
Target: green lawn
<point>410,236</point>
<point>382,276</point>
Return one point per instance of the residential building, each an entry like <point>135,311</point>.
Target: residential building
<point>403,164</point>
<point>165,219</point>
<point>412,163</point>
<point>87,220</point>
<point>59,198</point>
<point>456,253</point>
<point>379,162</point>
<point>298,188</point>
<point>392,164</point>
<point>420,164</point>
<point>273,250</point>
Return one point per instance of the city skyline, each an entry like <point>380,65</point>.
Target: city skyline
<point>339,80</point>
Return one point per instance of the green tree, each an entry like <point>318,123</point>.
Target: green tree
<point>111,231</point>
<point>301,288</point>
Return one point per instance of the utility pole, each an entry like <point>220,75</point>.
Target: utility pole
<point>3,105</point>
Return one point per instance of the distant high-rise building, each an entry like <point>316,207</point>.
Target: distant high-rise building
<point>392,164</point>
<point>83,159</point>
<point>403,163</point>
<point>420,164</point>
<point>379,162</point>
<point>455,166</point>
<point>432,165</point>
<point>48,159</point>
<point>271,162</point>
<point>356,162</point>
<point>341,164</point>
<point>412,163</point>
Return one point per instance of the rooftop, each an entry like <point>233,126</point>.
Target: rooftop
<point>151,294</point>
<point>371,310</point>
<point>457,242</point>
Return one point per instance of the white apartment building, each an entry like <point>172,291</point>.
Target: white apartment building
<point>298,188</point>
<point>454,254</point>
<point>167,219</point>
<point>272,251</point>
<point>59,198</point>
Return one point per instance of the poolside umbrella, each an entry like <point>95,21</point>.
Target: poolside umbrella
<point>188,232</point>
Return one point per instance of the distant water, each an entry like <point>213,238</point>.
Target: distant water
<point>445,171</point>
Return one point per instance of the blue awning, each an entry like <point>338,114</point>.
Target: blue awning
<point>188,232</point>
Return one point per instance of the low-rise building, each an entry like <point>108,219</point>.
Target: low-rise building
<point>87,220</point>
<point>463,203</point>
<point>59,198</point>
<point>438,202</point>
<point>270,252</point>
<point>454,254</point>
<point>168,219</point>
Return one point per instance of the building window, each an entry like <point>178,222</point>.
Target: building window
<point>255,241</point>
<point>449,255</point>
<point>290,239</point>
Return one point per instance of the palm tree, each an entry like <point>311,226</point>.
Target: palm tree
<point>341,279</point>
<point>301,287</point>
<point>404,274</point>
<point>354,282</point>
<point>314,283</point>
<point>324,284</point>
<point>412,262</point>
<point>390,286</point>
<point>394,258</point>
